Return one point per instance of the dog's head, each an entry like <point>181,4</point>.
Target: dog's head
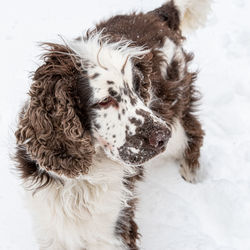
<point>86,95</point>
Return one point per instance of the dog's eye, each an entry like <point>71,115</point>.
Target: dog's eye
<point>105,101</point>
<point>108,101</point>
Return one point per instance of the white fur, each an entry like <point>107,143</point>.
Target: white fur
<point>177,143</point>
<point>82,212</point>
<point>193,13</point>
<point>168,51</point>
<point>111,55</point>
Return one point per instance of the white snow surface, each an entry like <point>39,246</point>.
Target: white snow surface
<point>172,214</point>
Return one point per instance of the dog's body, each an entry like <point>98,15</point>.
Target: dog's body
<point>100,107</point>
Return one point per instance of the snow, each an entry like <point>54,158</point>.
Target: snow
<point>172,214</point>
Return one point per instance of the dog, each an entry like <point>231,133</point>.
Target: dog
<point>99,107</point>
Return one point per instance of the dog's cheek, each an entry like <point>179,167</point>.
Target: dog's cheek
<point>108,133</point>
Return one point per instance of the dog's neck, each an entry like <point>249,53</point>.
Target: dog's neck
<point>93,201</point>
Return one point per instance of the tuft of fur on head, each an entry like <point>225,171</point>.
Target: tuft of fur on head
<point>98,47</point>
<point>193,13</point>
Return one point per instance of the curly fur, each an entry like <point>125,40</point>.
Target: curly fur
<point>49,127</point>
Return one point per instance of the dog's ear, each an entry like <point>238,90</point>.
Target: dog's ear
<point>53,127</point>
<point>186,15</point>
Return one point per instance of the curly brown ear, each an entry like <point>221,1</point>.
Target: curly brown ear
<point>53,126</point>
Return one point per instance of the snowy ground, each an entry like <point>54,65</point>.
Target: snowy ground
<point>173,215</point>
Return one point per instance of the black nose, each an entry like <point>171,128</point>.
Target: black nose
<point>159,137</point>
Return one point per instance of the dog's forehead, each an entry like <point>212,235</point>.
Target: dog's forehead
<point>107,62</point>
<point>111,80</point>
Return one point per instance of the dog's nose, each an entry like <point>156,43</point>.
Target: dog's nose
<point>159,137</point>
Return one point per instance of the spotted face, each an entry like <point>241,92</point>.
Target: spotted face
<point>121,123</point>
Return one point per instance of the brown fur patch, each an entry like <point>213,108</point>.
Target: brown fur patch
<point>126,226</point>
<point>50,127</point>
<point>169,14</point>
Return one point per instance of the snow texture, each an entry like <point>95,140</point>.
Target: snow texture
<point>172,214</point>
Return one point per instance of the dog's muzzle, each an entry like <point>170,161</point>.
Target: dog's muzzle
<point>150,140</point>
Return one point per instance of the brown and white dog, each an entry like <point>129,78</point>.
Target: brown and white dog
<point>100,106</point>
